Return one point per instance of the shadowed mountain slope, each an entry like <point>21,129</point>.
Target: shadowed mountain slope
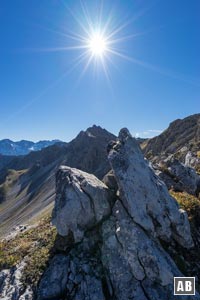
<point>181,136</point>
<point>27,183</point>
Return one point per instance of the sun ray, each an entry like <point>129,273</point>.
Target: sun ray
<point>68,34</point>
<point>85,68</point>
<point>100,13</point>
<point>126,37</point>
<point>75,18</point>
<point>106,72</point>
<point>107,24</point>
<point>57,49</point>
<point>87,18</point>
<point>156,69</point>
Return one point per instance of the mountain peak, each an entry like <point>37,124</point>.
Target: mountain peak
<point>180,133</point>
<point>95,132</point>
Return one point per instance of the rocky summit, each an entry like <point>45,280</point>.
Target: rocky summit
<point>113,236</point>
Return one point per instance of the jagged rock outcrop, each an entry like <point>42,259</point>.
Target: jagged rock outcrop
<point>145,196</point>
<point>12,286</point>
<point>178,176</point>
<point>117,255</point>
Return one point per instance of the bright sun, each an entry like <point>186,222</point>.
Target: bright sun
<point>98,40</point>
<point>97,45</point>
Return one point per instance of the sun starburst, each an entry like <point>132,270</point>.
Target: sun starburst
<point>97,38</point>
<point>97,44</point>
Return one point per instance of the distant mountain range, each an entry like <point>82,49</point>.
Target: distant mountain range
<point>23,147</point>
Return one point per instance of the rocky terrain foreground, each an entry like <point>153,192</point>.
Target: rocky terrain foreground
<point>117,239</point>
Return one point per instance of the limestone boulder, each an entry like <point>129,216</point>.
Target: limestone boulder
<point>82,201</point>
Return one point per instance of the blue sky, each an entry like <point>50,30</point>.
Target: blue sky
<point>44,95</point>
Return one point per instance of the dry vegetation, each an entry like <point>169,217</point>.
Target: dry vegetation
<point>189,203</point>
<point>35,244</point>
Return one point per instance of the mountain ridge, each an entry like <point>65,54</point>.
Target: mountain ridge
<point>180,133</point>
<point>23,147</point>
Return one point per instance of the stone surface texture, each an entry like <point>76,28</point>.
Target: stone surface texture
<point>82,201</point>
<point>11,284</point>
<point>144,195</point>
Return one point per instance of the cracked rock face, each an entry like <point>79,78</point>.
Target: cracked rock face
<point>82,201</point>
<point>145,196</point>
<point>138,267</point>
<point>77,275</point>
<point>54,279</point>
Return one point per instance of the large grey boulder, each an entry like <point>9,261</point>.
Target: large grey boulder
<point>144,195</point>
<point>82,201</point>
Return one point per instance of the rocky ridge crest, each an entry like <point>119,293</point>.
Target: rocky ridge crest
<point>112,241</point>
